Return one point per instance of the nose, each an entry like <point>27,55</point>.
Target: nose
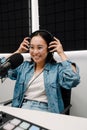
<point>35,51</point>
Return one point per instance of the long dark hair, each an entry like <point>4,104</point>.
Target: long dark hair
<point>48,37</point>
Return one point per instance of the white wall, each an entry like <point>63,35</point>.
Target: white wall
<point>35,15</point>
<point>79,94</point>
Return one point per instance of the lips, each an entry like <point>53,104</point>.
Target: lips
<point>36,57</point>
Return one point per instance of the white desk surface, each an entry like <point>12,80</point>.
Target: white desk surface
<point>48,120</point>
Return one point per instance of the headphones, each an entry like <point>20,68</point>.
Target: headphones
<point>48,33</point>
<point>47,36</point>
<point>43,31</point>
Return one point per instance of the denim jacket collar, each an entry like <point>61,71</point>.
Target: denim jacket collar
<point>46,67</point>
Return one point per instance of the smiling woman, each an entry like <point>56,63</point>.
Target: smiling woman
<point>78,95</point>
<point>42,77</point>
<point>38,50</point>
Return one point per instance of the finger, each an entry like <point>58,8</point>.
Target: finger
<point>53,43</point>
<point>52,46</point>
<point>25,48</point>
<point>26,38</point>
<point>26,42</point>
<point>53,50</point>
<point>25,45</point>
<point>57,39</point>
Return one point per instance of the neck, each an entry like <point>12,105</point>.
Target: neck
<point>39,67</point>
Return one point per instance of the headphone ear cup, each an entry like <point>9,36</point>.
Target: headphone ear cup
<point>49,49</point>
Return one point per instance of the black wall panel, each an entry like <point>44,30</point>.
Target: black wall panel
<point>14,24</point>
<point>66,19</point>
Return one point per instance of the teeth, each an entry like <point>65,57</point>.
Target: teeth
<point>36,57</point>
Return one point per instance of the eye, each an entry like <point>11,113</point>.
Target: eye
<point>40,47</point>
<point>31,47</point>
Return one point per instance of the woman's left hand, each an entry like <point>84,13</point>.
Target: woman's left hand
<point>56,46</point>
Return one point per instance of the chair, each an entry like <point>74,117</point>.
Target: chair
<point>8,102</point>
<point>66,95</point>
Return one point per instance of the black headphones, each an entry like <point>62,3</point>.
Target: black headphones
<point>45,31</point>
<point>47,35</point>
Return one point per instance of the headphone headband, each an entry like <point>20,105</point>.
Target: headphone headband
<point>45,31</point>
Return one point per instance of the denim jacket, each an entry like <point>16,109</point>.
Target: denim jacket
<point>56,75</point>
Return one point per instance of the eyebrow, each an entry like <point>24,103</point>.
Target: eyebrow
<point>37,45</point>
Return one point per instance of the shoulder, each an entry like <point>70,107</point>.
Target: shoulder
<point>26,63</point>
<point>61,64</point>
<point>24,66</point>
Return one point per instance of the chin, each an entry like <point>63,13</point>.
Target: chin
<point>36,61</point>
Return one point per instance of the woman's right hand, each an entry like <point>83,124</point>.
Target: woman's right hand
<point>24,46</point>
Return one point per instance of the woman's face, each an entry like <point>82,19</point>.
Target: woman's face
<point>38,49</point>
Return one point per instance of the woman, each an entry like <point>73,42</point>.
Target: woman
<point>38,81</point>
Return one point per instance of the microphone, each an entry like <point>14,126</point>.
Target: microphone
<point>11,63</point>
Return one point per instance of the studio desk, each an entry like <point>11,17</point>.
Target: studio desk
<point>48,120</point>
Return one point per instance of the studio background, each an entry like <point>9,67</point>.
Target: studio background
<point>65,19</point>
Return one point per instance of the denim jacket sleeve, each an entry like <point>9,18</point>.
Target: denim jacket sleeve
<point>2,60</point>
<point>67,77</point>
